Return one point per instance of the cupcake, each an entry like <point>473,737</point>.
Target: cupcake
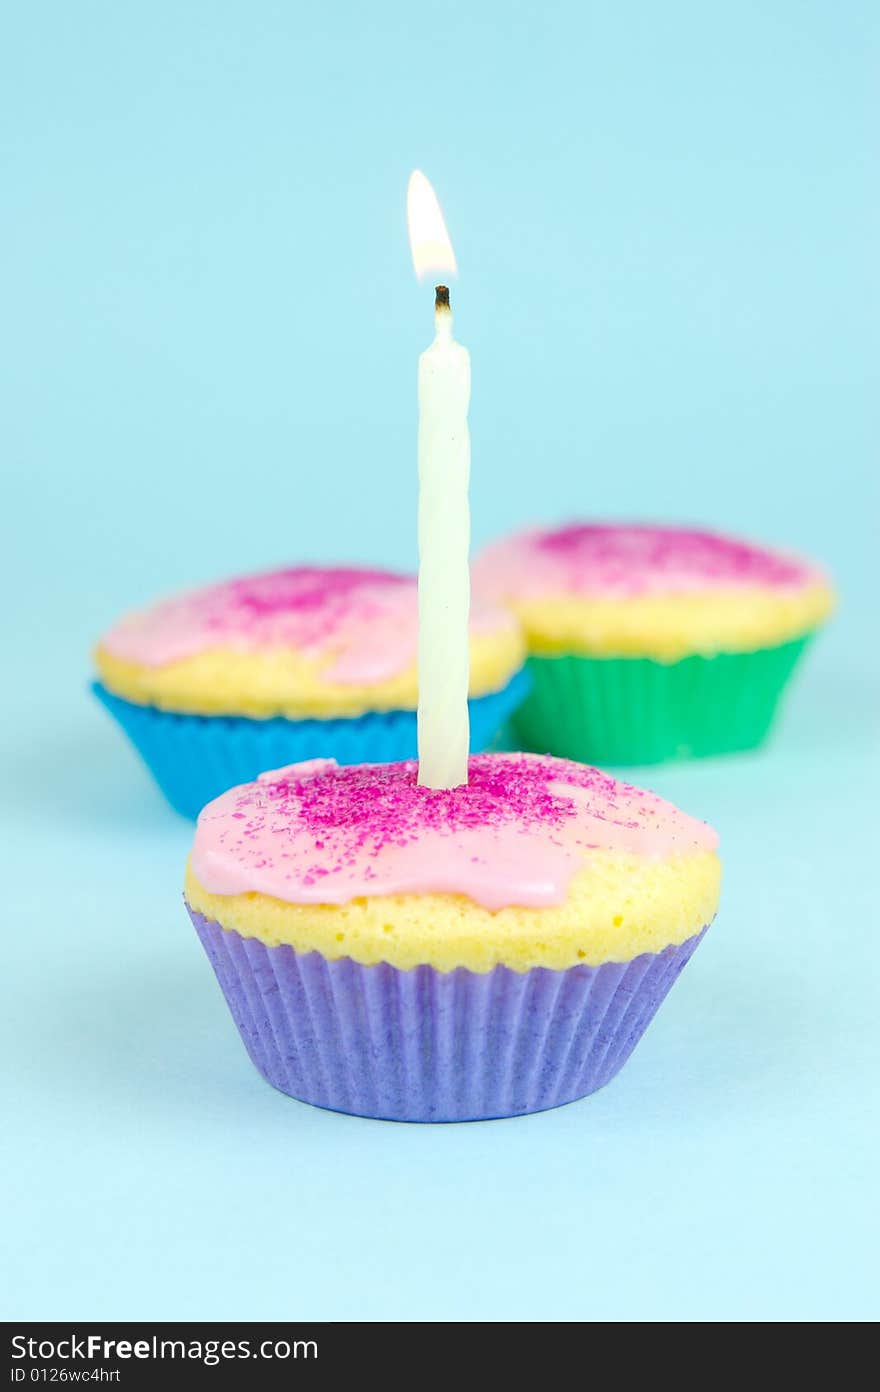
<point>218,684</point>
<point>652,643</point>
<point>394,951</point>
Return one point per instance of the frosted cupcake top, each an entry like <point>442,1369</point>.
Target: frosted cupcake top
<point>317,833</point>
<point>367,620</point>
<point>607,561</point>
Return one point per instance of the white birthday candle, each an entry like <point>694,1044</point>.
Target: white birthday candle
<point>444,516</point>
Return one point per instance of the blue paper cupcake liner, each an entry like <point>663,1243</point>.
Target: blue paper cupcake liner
<point>195,758</point>
<point>424,1045</point>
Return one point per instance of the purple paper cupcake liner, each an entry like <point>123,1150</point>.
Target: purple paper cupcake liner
<point>195,758</point>
<point>425,1045</point>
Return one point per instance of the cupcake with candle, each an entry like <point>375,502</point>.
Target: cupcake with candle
<point>649,643</point>
<point>218,684</point>
<point>427,954</point>
<point>457,939</point>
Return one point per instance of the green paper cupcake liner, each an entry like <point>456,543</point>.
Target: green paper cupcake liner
<point>633,710</point>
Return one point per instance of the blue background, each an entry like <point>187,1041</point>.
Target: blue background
<point>667,225</point>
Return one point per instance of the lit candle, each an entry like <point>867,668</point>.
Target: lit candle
<point>444,516</point>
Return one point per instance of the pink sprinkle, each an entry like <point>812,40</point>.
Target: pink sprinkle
<point>634,559</point>
<point>514,833</point>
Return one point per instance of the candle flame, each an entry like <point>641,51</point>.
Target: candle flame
<point>431,248</point>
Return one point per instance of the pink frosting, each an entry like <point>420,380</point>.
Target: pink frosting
<point>616,562</point>
<point>315,833</point>
<point>367,620</point>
